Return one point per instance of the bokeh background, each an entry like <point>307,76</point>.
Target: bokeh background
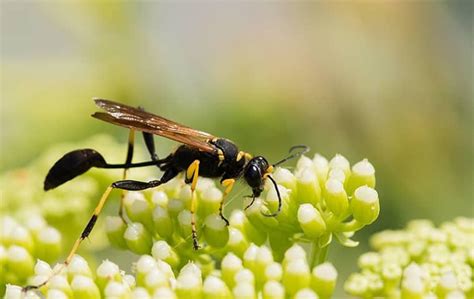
<point>388,81</point>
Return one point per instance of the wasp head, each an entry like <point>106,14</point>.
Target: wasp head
<point>255,173</point>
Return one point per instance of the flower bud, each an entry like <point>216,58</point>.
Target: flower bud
<point>237,242</point>
<point>210,201</point>
<point>164,293</point>
<point>338,175</point>
<point>244,275</point>
<point>240,221</point>
<point>184,222</point>
<point>250,257</point>
<point>336,198</point>
<point>115,229</point>
<point>273,272</point>
<point>306,294</point>
<point>186,196</point>
<point>340,162</point>
<point>413,288</point>
<point>107,271</point>
<point>216,231</point>
<point>296,276</point>
<point>273,290</point>
<point>357,285</point>
<point>56,294</point>
<point>138,209</point>
<point>83,287</point>
<point>48,246</point>
<point>311,221</point>
<point>264,258</point>
<point>143,266</point>
<point>138,239</point>
<point>175,206</point>
<point>323,280</point>
<point>20,236</point>
<point>309,190</point>
<point>59,282</point>
<point>365,205</point>
<point>159,198</point>
<point>116,290</point>
<point>244,290</point>
<point>19,261</point>
<point>321,166</point>
<point>285,178</point>
<point>214,287</point>
<point>447,284</point>
<point>78,266</point>
<point>189,286</point>
<point>140,293</point>
<point>156,279</point>
<point>161,250</point>
<point>13,292</point>
<point>363,174</point>
<point>230,265</point>
<point>254,214</point>
<point>162,221</point>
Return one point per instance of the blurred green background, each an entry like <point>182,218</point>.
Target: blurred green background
<point>391,82</point>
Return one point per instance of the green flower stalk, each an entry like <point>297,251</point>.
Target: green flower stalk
<point>421,261</point>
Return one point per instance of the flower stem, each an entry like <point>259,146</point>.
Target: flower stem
<point>318,254</point>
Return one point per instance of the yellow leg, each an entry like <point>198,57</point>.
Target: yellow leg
<point>87,230</point>
<point>192,174</point>
<point>228,184</point>
<point>128,159</point>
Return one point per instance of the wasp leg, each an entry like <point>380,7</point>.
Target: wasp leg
<point>228,184</point>
<point>128,160</point>
<point>124,185</point>
<point>192,174</point>
<point>150,145</point>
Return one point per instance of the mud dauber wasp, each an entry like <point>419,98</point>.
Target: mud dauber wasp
<point>200,154</point>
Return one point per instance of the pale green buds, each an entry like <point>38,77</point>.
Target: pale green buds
<point>311,221</point>
<point>365,205</point>
<point>214,287</point>
<point>363,174</point>
<point>161,250</point>
<point>83,287</point>
<point>323,280</point>
<point>418,262</point>
<point>230,265</point>
<point>273,290</point>
<point>308,187</point>
<point>138,239</point>
<point>296,276</point>
<point>20,261</point>
<point>216,231</point>
<point>115,229</point>
<point>336,197</point>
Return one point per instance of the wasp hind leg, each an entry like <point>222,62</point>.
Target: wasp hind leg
<point>128,160</point>
<point>192,174</point>
<point>129,185</point>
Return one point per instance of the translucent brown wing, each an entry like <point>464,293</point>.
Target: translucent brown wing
<point>134,118</point>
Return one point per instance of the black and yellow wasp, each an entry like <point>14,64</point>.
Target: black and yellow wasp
<point>201,154</point>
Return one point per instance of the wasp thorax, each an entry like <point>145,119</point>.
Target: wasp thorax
<point>254,172</point>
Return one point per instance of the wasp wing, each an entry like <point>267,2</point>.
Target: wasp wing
<point>134,118</point>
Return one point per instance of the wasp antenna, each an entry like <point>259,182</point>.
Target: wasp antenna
<point>304,150</point>
<point>279,199</point>
<point>71,165</point>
